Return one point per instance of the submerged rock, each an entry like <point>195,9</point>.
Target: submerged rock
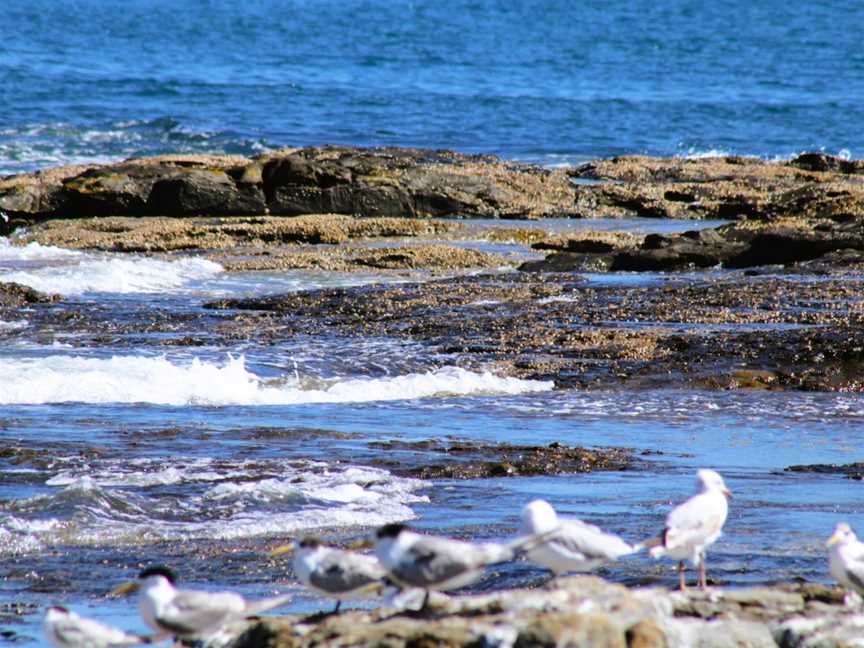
<point>473,460</point>
<point>583,611</point>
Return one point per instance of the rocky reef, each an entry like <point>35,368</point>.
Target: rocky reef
<point>330,179</point>
<point>585,612</point>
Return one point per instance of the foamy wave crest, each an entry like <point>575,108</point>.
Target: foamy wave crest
<point>136,379</point>
<point>33,252</point>
<point>83,509</point>
<point>87,273</point>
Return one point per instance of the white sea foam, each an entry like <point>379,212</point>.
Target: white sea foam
<point>110,274</point>
<point>137,379</point>
<point>116,504</point>
<point>14,325</point>
<point>33,251</point>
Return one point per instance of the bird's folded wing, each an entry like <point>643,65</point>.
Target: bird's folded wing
<point>853,565</point>
<point>193,612</point>
<point>431,560</point>
<point>589,542</point>
<point>345,572</point>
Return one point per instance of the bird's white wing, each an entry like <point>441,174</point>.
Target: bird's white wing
<point>193,612</point>
<point>586,541</point>
<point>700,517</point>
<point>345,571</point>
<point>78,631</point>
<point>435,560</point>
<point>853,564</point>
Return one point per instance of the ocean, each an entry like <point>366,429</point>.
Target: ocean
<point>547,81</point>
<point>120,449</point>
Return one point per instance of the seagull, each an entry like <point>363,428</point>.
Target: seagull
<point>190,614</point>
<point>694,526</point>
<point>437,563</point>
<point>333,572</point>
<point>65,629</point>
<point>846,559</point>
<point>571,544</point>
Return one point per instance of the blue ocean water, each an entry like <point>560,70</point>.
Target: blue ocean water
<point>547,80</point>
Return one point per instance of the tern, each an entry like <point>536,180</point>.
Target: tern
<point>846,560</point>
<point>66,629</point>
<point>334,573</point>
<point>190,614</point>
<point>436,563</point>
<point>694,525</point>
<point>570,544</point>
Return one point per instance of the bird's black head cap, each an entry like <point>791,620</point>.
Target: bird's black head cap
<point>309,542</point>
<point>158,570</point>
<point>59,608</point>
<point>390,530</point>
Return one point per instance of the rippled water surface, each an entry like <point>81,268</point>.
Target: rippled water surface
<point>122,451</point>
<point>550,81</point>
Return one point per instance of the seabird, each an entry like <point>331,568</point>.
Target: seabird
<point>570,544</point>
<point>437,563</point>
<point>846,559</point>
<point>190,614</point>
<point>693,526</point>
<point>66,629</point>
<point>334,573</point>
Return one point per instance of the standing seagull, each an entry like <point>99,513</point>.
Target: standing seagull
<point>436,563</point>
<point>570,544</point>
<point>65,629</point>
<point>694,526</point>
<point>846,559</point>
<point>190,614</point>
<point>333,572</point>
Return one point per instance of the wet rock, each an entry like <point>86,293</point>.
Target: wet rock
<point>850,470</point>
<point>471,460</point>
<point>239,236</point>
<point>578,611</point>
<point>747,245</point>
<point>14,295</point>
<point>725,332</point>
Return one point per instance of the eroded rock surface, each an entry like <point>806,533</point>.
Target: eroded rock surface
<point>585,611</point>
<point>383,182</point>
<point>762,332</point>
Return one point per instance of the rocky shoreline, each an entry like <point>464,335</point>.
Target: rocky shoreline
<point>583,612</point>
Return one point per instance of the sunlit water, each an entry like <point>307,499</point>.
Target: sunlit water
<point>205,456</point>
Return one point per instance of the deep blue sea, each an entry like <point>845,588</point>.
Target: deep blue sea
<point>551,81</point>
<point>118,450</point>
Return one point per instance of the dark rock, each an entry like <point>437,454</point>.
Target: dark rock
<point>14,295</point>
<point>470,460</point>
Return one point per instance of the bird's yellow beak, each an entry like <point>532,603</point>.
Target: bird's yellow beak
<point>282,550</point>
<point>834,539</point>
<point>125,589</point>
<point>727,493</point>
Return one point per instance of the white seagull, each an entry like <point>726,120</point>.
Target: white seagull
<point>335,573</point>
<point>65,629</point>
<point>190,614</point>
<point>570,544</point>
<point>846,559</point>
<point>694,526</point>
<point>437,563</point>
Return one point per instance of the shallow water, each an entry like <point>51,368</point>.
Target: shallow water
<point>205,456</point>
